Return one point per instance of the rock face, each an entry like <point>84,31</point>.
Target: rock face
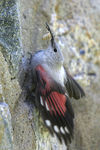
<point>9,35</point>
<point>76,28</point>
<point>5,128</point>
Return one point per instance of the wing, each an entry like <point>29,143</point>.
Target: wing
<point>54,105</point>
<point>73,88</point>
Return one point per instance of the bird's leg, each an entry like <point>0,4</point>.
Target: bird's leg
<point>30,58</point>
<point>30,92</point>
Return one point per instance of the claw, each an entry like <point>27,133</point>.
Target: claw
<point>28,92</point>
<point>29,60</point>
<point>30,57</point>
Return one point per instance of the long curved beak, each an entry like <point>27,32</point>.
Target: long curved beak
<point>52,37</point>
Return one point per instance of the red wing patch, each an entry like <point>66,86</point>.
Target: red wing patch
<point>58,101</point>
<point>54,105</point>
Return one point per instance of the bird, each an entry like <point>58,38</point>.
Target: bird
<point>54,88</point>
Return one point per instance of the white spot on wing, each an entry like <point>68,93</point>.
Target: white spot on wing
<point>66,129</point>
<point>41,101</point>
<point>48,123</point>
<point>46,106</point>
<point>56,128</point>
<point>62,130</point>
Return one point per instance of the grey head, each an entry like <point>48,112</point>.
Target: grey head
<point>53,51</point>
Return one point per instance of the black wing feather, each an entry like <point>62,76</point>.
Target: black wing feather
<point>73,88</point>
<point>61,119</point>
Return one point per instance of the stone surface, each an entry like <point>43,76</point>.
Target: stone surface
<point>9,89</point>
<point>76,28</point>
<point>87,120</point>
<point>9,35</point>
<point>5,128</point>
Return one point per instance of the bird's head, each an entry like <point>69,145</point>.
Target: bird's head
<point>54,50</point>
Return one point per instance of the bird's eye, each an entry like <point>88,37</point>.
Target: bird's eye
<point>55,50</point>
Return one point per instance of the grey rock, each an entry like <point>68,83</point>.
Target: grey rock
<point>6,137</point>
<point>9,89</point>
<point>9,35</point>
